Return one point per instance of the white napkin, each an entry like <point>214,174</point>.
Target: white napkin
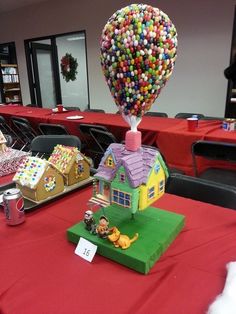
<point>225,303</point>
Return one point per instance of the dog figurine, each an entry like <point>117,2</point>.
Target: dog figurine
<point>121,240</point>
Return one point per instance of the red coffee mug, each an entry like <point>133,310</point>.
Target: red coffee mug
<point>192,124</point>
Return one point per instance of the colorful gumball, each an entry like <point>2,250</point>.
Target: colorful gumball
<point>138,53</point>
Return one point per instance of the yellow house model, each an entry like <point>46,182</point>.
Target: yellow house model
<point>154,188</point>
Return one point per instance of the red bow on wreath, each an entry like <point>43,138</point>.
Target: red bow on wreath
<point>65,62</point>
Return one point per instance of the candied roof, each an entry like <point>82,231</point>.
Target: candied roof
<point>62,157</point>
<point>137,164</point>
<point>30,171</point>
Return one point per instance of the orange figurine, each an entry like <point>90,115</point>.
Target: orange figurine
<point>103,227</point>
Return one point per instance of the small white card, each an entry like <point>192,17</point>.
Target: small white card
<point>86,249</point>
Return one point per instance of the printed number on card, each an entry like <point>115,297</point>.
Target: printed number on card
<point>86,249</point>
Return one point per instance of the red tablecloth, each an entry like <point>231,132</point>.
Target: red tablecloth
<point>34,115</point>
<point>8,111</point>
<point>149,126</point>
<point>41,274</point>
<point>175,142</point>
<point>73,125</point>
<point>114,123</point>
<point>221,135</point>
<point>6,179</point>
<point>170,135</point>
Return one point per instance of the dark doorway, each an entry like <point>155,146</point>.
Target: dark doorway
<point>47,89</point>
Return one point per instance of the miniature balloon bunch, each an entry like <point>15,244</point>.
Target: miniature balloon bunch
<point>138,53</point>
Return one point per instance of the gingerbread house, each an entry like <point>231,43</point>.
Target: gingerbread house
<point>71,162</point>
<point>38,179</point>
<point>10,159</point>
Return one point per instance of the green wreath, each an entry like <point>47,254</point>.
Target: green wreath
<point>69,67</point>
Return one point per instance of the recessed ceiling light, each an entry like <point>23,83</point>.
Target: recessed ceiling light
<point>75,38</point>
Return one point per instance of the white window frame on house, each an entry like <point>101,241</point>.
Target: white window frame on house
<point>151,192</point>
<point>161,185</point>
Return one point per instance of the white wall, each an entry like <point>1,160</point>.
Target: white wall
<point>204,34</point>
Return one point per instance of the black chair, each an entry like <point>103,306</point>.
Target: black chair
<point>43,145</point>
<point>8,130</point>
<point>212,118</point>
<point>156,114</point>
<point>72,108</point>
<point>94,110</point>
<point>218,151</point>
<point>202,190</point>
<point>185,115</point>
<point>9,140</point>
<point>87,140</point>
<point>27,132</point>
<point>52,129</point>
<point>31,105</point>
<point>102,139</point>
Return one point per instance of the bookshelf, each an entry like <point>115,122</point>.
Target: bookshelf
<point>10,84</point>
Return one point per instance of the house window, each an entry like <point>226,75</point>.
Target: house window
<point>161,185</point>
<point>151,192</point>
<point>157,168</point>
<point>122,177</point>
<point>121,198</point>
<point>80,169</point>
<point>109,162</point>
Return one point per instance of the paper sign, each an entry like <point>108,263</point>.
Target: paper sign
<point>86,249</point>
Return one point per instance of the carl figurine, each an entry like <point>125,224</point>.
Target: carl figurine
<point>90,223</point>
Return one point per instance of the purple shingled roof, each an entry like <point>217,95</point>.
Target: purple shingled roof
<point>137,164</point>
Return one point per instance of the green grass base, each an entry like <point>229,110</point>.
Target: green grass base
<point>157,229</point>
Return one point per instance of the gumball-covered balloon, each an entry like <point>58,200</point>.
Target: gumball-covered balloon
<point>138,53</point>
